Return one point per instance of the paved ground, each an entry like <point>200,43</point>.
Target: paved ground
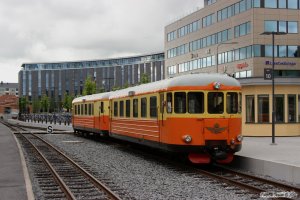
<point>12,181</point>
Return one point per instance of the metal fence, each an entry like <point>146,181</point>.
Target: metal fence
<point>55,118</point>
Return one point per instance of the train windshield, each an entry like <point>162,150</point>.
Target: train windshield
<point>215,102</point>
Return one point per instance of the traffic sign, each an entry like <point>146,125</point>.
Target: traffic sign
<point>50,129</point>
<point>268,74</point>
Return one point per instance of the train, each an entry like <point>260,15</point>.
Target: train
<point>197,115</point>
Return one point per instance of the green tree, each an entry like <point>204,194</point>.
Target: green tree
<point>89,87</point>
<point>67,102</point>
<point>36,106</point>
<point>23,104</point>
<point>45,103</point>
<point>144,79</point>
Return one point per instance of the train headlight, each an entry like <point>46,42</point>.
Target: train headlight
<point>239,138</point>
<point>187,138</point>
<point>217,85</point>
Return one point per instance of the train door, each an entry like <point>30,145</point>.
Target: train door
<point>161,114</point>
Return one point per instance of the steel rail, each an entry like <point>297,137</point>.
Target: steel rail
<point>96,182</point>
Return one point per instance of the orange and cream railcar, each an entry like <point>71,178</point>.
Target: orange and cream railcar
<point>91,113</point>
<point>198,114</point>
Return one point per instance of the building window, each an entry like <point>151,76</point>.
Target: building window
<point>180,102</point>
<point>127,108</point>
<point>215,102</point>
<point>135,107</point>
<point>263,109</point>
<point>153,107</point>
<point>292,4</point>
<point>195,102</point>
<point>144,107</point>
<point>250,109</point>
<point>121,109</point>
<point>270,4</point>
<point>299,108</point>
<point>291,108</point>
<point>279,108</point>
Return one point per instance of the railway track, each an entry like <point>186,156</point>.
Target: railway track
<point>62,178</point>
<point>260,186</point>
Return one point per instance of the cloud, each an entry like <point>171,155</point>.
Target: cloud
<point>65,30</point>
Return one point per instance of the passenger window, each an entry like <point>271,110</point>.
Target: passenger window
<point>90,109</point>
<point>153,107</point>
<point>85,109</point>
<point>115,109</point>
<point>102,107</point>
<point>135,107</point>
<point>196,102</point>
<point>78,106</point>
<point>75,109</point>
<point>169,102</point>
<point>180,102</point>
<point>144,107</point>
<point>232,102</point>
<point>121,108</point>
<point>215,102</point>
<point>81,109</point>
<point>127,108</point>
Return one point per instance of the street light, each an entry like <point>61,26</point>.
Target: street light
<point>217,63</point>
<point>273,33</point>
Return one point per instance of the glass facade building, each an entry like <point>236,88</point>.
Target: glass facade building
<point>59,78</point>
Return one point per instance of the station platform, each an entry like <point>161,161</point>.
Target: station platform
<point>14,179</point>
<point>280,161</point>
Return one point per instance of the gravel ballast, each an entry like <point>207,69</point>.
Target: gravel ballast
<point>139,176</point>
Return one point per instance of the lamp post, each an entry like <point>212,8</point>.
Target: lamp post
<point>273,33</point>
<point>217,63</point>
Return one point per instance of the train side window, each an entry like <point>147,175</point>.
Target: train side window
<point>127,108</point>
<point>90,109</point>
<point>75,110</point>
<point>215,102</point>
<point>180,102</point>
<point>115,109</point>
<point>135,107</point>
<point>195,102</point>
<point>81,109</point>
<point>232,102</point>
<point>85,109</point>
<point>153,107</point>
<point>121,109</point>
<point>102,107</point>
<point>144,107</point>
<point>169,102</point>
<point>78,107</point>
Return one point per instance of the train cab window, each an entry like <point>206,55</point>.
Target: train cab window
<point>85,109</point>
<point>232,102</point>
<point>115,109</point>
<point>127,108</point>
<point>81,109</point>
<point>153,107</point>
<point>102,107</point>
<point>121,109</point>
<point>75,110</point>
<point>144,107</point>
<point>169,102</point>
<point>180,102</point>
<point>195,102</point>
<point>215,102</point>
<point>135,107</point>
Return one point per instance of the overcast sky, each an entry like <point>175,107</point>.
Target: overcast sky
<point>67,30</point>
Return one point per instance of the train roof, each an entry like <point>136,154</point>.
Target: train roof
<point>202,79</point>
<point>92,97</point>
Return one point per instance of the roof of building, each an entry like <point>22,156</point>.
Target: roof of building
<point>8,85</point>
